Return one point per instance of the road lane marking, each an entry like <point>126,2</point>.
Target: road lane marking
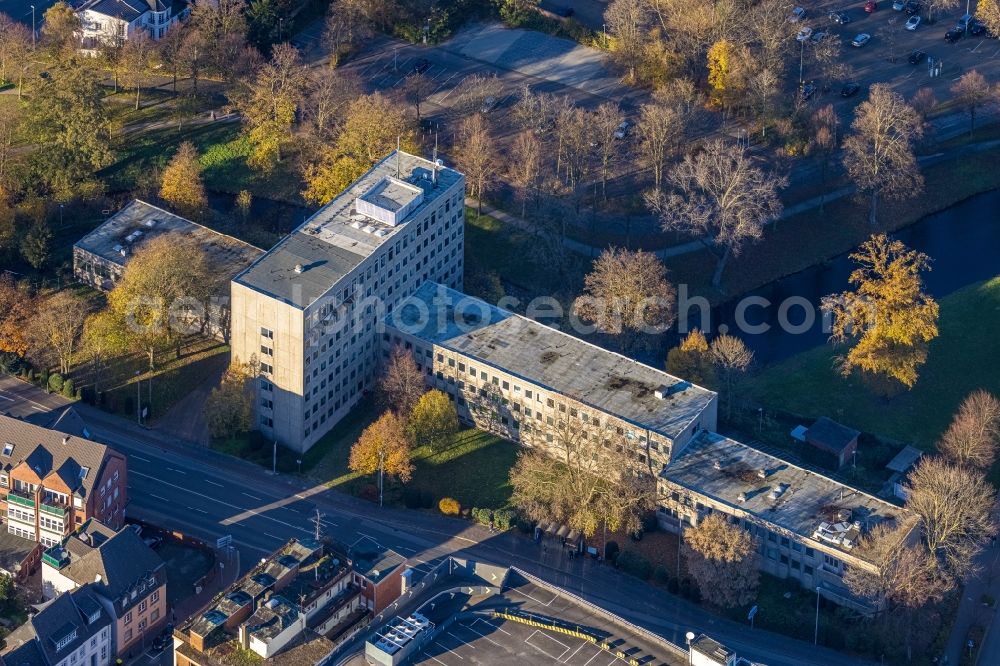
<point>214,483</point>
<point>6,398</point>
<point>274,536</point>
<point>194,508</point>
<point>140,458</point>
<point>227,521</point>
<point>179,471</point>
<point>253,497</point>
<point>162,499</point>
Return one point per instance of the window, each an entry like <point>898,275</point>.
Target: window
<point>128,635</point>
<point>807,570</point>
<point>266,351</point>
<point>84,471</point>
<point>8,449</point>
<point>267,333</point>
<point>142,607</point>
<point>128,617</point>
<point>155,596</point>
<point>810,552</point>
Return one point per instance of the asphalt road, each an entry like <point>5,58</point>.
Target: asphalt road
<point>199,492</point>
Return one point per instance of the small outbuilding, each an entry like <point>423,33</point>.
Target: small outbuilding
<point>830,444</point>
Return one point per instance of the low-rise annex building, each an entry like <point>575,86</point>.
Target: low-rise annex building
<point>72,630</point>
<point>516,377</point>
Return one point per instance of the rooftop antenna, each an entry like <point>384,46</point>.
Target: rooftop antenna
<point>397,156</point>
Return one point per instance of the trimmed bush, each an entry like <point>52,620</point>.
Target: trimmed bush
<point>369,492</point>
<point>449,506</point>
<point>43,379</point>
<point>661,575</point>
<point>503,519</point>
<point>483,516</point>
<point>524,523</point>
<point>411,498</point>
<point>68,390</point>
<point>635,564</point>
<point>55,383</point>
<point>611,551</point>
<point>426,499</point>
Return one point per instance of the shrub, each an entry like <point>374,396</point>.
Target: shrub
<point>661,575</point>
<point>524,523</point>
<point>67,389</point>
<point>502,519</point>
<point>449,506</point>
<point>56,382</point>
<point>43,379</point>
<point>411,498</point>
<point>483,516</point>
<point>369,492</point>
<point>635,564</point>
<point>611,551</point>
<point>649,523</point>
<point>426,499</point>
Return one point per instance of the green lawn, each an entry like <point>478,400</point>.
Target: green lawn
<point>961,359</point>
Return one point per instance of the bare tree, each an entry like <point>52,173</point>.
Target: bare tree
<point>533,112</point>
<point>899,572</point>
<point>763,88</point>
<point>878,154</point>
<point>627,294</point>
<point>661,129</point>
<point>626,21</point>
<point>720,194</point>
<point>346,25</point>
<point>328,95</point>
<point>402,384</point>
<point>525,167</point>
<point>416,89</point>
<point>477,156</point>
<point>474,91</point>
<point>732,358</point>
<point>581,474</point>
<point>826,126</point>
<point>606,120</point>
<point>723,560</point>
<point>136,56</point>
<point>55,329</point>
<point>954,505</point>
<point>974,433</point>
<point>15,51</point>
<point>972,91</point>
<point>934,6</point>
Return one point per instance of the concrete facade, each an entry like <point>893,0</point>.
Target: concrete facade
<point>310,308</point>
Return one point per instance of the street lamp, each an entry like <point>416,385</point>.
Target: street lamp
<point>60,216</point>
<point>280,22</point>
<point>816,632</point>
<point>604,33</point>
<point>690,637</point>
<point>138,400</point>
<point>299,461</point>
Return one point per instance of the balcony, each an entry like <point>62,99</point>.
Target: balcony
<point>54,508</point>
<point>21,498</point>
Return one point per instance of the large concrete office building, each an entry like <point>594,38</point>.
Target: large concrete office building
<point>531,383</point>
<point>308,309</point>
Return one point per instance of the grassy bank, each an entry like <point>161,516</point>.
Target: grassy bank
<point>811,237</point>
<point>960,360</point>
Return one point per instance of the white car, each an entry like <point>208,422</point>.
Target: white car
<point>797,15</point>
<point>804,34</point>
<point>912,23</point>
<point>898,5</point>
<point>622,131</point>
<point>861,40</point>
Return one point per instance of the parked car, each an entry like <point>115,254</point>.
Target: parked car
<point>808,90</point>
<point>162,641</point>
<point>912,7</point>
<point>898,5</point>
<point>953,35</point>
<point>976,28</point>
<point>818,36</point>
<point>489,104</point>
<point>964,22</point>
<point>917,56</point>
<point>912,23</point>
<point>804,34</point>
<point>871,6</point>
<point>861,40</point>
<point>797,15</point>
<point>623,129</point>
<point>850,89</point>
<point>840,18</point>
<point>421,65</point>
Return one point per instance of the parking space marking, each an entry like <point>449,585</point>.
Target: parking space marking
<point>586,663</point>
<point>461,640</point>
<point>493,626</point>
<point>543,651</point>
<point>573,654</point>
<point>443,70</point>
<point>457,86</point>
<point>469,627</point>
<point>440,644</point>
<point>537,601</point>
<point>445,82</point>
<point>434,658</point>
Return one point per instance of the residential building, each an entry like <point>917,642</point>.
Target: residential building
<point>526,381</point>
<point>51,483</point>
<point>73,629</point>
<point>309,308</point>
<point>808,526</point>
<point>379,572</point>
<point>100,257</point>
<point>293,608</point>
<point>19,557</point>
<point>529,383</point>
<point>108,22</point>
<point>127,577</point>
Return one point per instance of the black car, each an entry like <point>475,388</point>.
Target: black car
<point>421,65</point>
<point>953,35</point>
<point>841,18</point>
<point>162,641</point>
<point>850,89</point>
<point>917,57</point>
<point>808,90</point>
<point>976,28</point>
<point>911,7</point>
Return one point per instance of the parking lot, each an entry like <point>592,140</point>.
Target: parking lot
<point>885,57</point>
<point>494,641</point>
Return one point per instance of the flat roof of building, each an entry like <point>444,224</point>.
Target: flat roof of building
<point>779,492</point>
<point>309,261</point>
<point>550,358</point>
<point>116,240</point>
